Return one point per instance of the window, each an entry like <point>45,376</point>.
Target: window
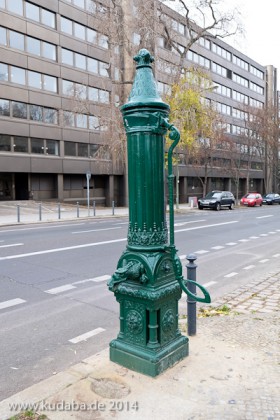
<point>66,26</point>
<point>52,147</point>
<point>36,112</point>
<point>47,18</point>
<point>15,6</point>
<point>50,116</point>
<point>94,123</point>
<point>93,94</point>
<point>79,31</point>
<point>33,46</point>
<point>5,143</point>
<point>67,88</point>
<point>69,148</point>
<point>3,36</point>
<point>3,72</point>
<point>68,118</point>
<point>20,144</point>
<point>32,12</point>
<point>16,40</point>
<point>4,107</point>
<point>67,57</point>
<point>93,149</point>
<point>81,121</point>
<point>19,110</point>
<point>50,83</point>
<point>37,146</point>
<point>34,79</point>
<point>92,65</point>
<point>48,51</point>
<point>80,61</point>
<point>82,149</point>
<point>91,36</point>
<point>18,75</point>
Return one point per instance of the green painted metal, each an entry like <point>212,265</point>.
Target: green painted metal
<point>148,280</point>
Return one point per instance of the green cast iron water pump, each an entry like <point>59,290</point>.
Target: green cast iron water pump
<point>148,281</point>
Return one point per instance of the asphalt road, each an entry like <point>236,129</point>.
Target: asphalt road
<point>55,309</point>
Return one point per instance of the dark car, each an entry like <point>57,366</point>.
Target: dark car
<point>217,200</point>
<point>271,198</point>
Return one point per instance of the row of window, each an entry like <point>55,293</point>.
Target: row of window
<point>84,92</point>
<point>28,78</point>
<point>83,62</point>
<point>28,111</point>
<point>26,43</point>
<point>20,144</point>
<point>47,18</point>
<point>30,11</point>
<point>48,83</point>
<point>89,5</point>
<point>72,119</point>
<point>238,96</point>
<point>84,33</point>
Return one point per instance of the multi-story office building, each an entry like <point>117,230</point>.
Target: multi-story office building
<point>63,69</point>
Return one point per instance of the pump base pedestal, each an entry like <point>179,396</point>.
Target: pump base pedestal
<point>149,362</point>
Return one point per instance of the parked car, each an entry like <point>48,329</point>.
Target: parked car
<point>252,200</point>
<point>271,198</point>
<point>217,200</point>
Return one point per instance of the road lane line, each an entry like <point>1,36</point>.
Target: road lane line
<point>12,302</point>
<point>210,283</point>
<point>263,234</point>
<point>94,279</point>
<point>217,247</point>
<point>20,229</point>
<point>231,243</point>
<point>85,336</point>
<point>206,226</point>
<point>249,267</point>
<point>68,248</point>
<point>187,223</point>
<point>60,289</point>
<point>243,240</point>
<point>254,237</point>
<point>202,251</point>
<point>276,255</point>
<point>263,217</point>
<point>10,245</point>
<point>231,274</point>
<point>264,261</point>
<point>94,230</point>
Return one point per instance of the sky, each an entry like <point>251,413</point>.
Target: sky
<point>261,25</point>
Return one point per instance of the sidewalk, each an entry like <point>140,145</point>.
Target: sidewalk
<point>232,372</point>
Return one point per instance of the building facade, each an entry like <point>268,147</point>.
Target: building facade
<point>65,67</point>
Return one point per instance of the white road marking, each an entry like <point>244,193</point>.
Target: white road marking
<point>85,336</point>
<point>217,247</point>
<point>231,243</point>
<point>249,267</point>
<point>210,283</point>
<point>60,289</point>
<point>12,302</point>
<point>264,261</point>
<point>263,234</point>
<point>10,245</point>
<point>272,233</point>
<point>276,255</point>
<point>202,251</point>
<point>254,237</point>
<point>231,274</point>
<point>95,230</point>
<point>243,240</point>
<point>68,248</point>
<point>94,279</point>
<point>263,217</point>
<point>187,223</point>
<point>182,257</point>
<point>206,226</point>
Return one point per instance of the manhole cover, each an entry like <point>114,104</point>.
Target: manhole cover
<point>109,388</point>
